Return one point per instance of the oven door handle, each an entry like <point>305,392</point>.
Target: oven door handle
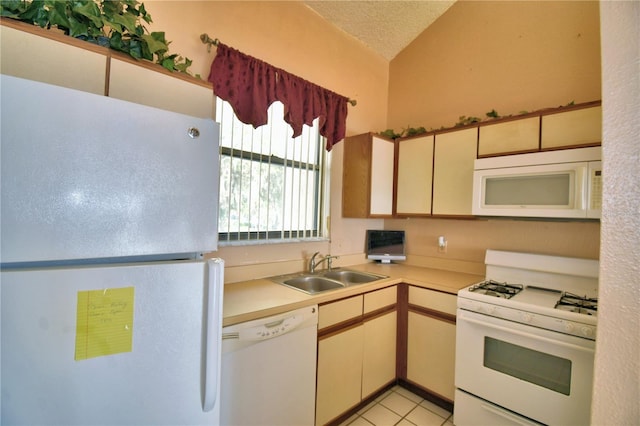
<point>463,317</point>
<point>507,415</point>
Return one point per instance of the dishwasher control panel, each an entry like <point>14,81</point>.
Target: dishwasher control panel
<point>272,327</point>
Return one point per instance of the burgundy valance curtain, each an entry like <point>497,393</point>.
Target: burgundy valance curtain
<point>251,86</point>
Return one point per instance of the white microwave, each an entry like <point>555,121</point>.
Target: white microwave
<point>553,184</point>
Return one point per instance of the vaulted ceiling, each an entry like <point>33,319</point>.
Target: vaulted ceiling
<point>386,27</point>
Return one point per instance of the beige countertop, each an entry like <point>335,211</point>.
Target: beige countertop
<point>249,300</point>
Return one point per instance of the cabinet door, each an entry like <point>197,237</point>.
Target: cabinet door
<point>431,349</point>
<point>367,176</point>
<point>455,153</point>
<point>379,354</point>
<point>356,172</point>
<point>32,57</point>
<point>521,135</point>
<point>339,383</point>
<point>415,174</point>
<point>382,161</point>
<point>142,85</point>
<point>572,128</point>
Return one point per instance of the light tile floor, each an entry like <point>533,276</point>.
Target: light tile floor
<point>400,407</point>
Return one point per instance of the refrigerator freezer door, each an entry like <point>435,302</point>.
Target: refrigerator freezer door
<point>88,176</point>
<point>160,381</point>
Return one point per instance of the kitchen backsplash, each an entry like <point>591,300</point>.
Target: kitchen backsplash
<point>467,240</point>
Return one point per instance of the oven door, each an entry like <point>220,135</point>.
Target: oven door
<point>543,375</point>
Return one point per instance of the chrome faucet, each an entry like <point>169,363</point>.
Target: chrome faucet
<point>313,264</point>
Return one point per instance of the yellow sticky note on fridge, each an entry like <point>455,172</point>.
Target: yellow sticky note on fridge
<point>104,322</point>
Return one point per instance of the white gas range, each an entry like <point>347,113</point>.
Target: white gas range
<point>525,341</point>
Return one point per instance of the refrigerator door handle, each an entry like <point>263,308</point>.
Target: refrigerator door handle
<point>215,288</point>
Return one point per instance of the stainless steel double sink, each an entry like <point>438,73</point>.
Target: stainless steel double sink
<point>322,281</point>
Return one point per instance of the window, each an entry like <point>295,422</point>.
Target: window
<point>271,186</point>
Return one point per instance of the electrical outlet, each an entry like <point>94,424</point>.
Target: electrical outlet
<point>442,244</point>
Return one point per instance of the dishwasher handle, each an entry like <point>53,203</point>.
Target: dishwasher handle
<point>266,331</point>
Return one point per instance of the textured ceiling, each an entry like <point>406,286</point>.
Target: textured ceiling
<point>386,27</point>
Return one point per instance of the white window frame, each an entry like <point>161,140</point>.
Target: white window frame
<point>238,142</point>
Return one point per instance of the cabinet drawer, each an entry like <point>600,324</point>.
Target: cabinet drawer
<point>436,300</point>
<point>380,298</point>
<point>510,136</point>
<point>337,312</point>
<point>577,127</point>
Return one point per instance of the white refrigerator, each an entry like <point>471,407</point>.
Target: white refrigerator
<point>111,311</point>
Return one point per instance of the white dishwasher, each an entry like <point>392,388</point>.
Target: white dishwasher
<point>269,370</point>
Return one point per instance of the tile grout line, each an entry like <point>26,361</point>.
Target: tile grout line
<point>416,404</point>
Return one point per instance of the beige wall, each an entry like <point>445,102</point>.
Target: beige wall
<point>291,36</point>
<point>469,239</point>
<point>508,56</point>
<point>478,56</point>
<point>285,34</point>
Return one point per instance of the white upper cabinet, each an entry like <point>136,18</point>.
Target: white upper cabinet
<point>382,163</point>
<point>135,83</point>
<point>367,176</point>
<point>50,57</point>
<point>415,174</point>
<point>455,153</point>
<point>505,137</point>
<point>33,57</point>
<point>578,127</point>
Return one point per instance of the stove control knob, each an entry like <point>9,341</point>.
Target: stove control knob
<point>526,316</point>
<point>568,326</point>
<point>587,331</point>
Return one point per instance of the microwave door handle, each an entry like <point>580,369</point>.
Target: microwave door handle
<point>581,186</point>
<point>462,317</point>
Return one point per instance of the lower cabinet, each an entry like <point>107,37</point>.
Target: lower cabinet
<point>356,351</point>
<point>431,341</point>
<point>339,373</point>
<point>379,354</point>
<point>431,350</point>
<point>358,346</point>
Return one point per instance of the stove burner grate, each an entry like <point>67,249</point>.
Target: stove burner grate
<point>497,289</point>
<point>580,304</point>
